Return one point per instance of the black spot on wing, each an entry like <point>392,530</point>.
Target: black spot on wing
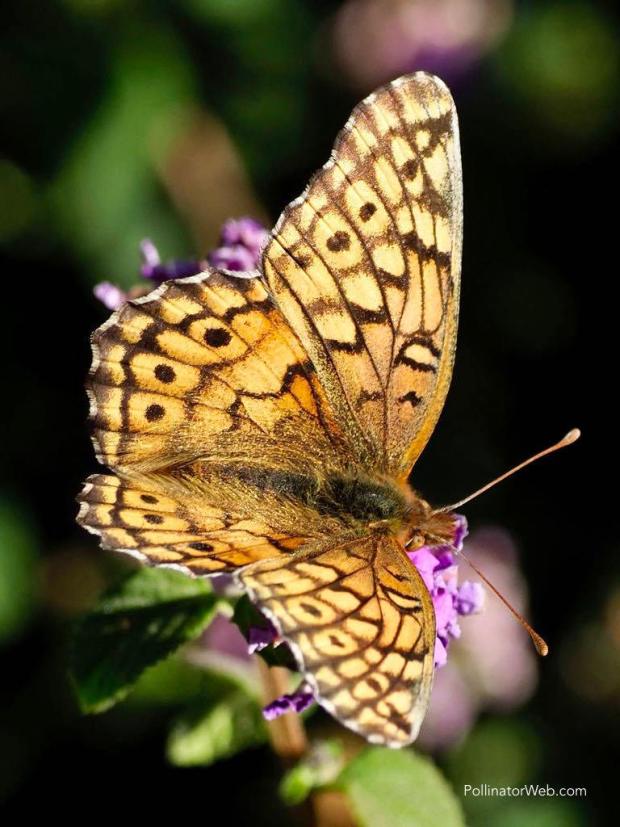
<point>411,397</point>
<point>154,412</point>
<point>217,337</point>
<point>164,373</point>
<point>367,211</point>
<point>339,241</point>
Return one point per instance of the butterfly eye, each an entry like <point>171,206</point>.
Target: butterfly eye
<point>417,541</point>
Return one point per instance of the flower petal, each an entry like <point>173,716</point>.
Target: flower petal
<point>441,654</point>
<point>235,257</point>
<point>460,530</point>
<point>425,562</point>
<point>297,701</point>
<point>259,637</point>
<point>110,294</point>
<point>470,598</point>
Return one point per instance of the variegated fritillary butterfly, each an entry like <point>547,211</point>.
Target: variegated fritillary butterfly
<point>267,425</point>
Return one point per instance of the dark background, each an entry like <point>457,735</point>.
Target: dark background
<point>93,97</point>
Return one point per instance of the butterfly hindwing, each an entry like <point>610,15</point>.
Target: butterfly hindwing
<point>361,624</point>
<point>171,524</point>
<point>365,266</point>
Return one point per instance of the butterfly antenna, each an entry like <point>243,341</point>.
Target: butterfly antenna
<point>571,436</point>
<point>538,641</point>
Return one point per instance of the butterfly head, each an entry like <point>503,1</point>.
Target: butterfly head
<point>427,527</point>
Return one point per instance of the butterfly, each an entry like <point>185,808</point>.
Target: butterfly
<point>267,424</point>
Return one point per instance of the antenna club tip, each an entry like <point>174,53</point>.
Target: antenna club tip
<point>540,644</point>
<point>572,436</point>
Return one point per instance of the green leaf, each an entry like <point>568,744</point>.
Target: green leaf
<point>134,626</point>
<point>226,720</point>
<point>389,788</point>
<point>173,682</point>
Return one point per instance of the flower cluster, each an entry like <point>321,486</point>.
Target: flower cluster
<point>439,570</point>
<point>240,245</point>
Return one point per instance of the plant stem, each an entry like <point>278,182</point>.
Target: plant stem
<point>324,808</point>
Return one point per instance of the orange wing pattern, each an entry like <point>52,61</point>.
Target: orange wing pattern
<point>170,524</point>
<point>365,266</point>
<point>362,626</point>
<point>206,367</point>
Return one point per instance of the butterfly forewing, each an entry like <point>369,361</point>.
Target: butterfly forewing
<point>365,265</point>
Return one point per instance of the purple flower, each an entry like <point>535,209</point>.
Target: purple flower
<point>110,294</point>
<point>247,232</point>
<point>297,701</point>
<point>222,637</point>
<point>438,569</point>
<point>150,257</point>
<point>377,40</point>
<point>470,598</point>
<point>259,637</point>
<point>152,267</point>
<point>240,245</point>
<point>235,257</point>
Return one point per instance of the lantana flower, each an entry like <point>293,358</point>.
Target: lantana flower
<point>439,570</point>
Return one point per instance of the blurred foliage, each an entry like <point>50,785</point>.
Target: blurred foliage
<point>390,787</point>
<point>226,719</point>
<point>318,769</point>
<point>501,753</point>
<point>171,682</point>
<point>265,58</point>
<point>97,99</point>
<point>106,196</point>
<point>562,62</point>
<point>18,203</point>
<point>148,617</point>
<point>18,570</point>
